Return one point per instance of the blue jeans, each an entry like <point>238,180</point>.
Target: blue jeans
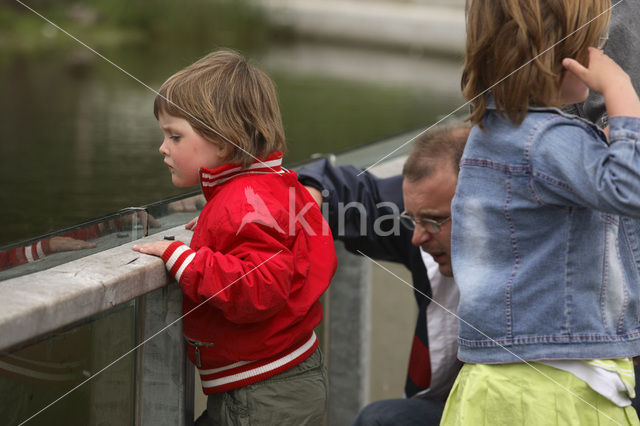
<point>404,411</point>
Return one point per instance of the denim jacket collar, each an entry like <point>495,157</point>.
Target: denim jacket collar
<point>491,104</point>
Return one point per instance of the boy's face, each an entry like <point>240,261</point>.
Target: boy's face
<point>185,151</point>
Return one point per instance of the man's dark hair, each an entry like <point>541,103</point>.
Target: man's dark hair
<point>442,143</point>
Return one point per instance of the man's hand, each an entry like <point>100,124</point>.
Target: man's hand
<point>190,204</point>
<point>155,248</point>
<point>192,223</point>
<point>317,195</point>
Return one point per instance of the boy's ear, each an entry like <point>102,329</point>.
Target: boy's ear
<point>224,150</point>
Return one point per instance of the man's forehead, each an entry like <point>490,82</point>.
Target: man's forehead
<point>431,194</point>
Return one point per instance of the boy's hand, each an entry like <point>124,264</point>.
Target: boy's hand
<point>605,76</point>
<point>155,248</point>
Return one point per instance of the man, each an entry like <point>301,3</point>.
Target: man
<point>422,244</point>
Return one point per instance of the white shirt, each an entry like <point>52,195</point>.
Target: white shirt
<point>442,328</point>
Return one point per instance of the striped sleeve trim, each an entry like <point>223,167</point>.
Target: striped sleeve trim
<point>28,253</point>
<point>245,373</point>
<point>40,250</point>
<point>34,252</point>
<point>177,258</point>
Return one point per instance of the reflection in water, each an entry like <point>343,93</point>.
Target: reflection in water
<point>80,139</point>
<point>84,149</point>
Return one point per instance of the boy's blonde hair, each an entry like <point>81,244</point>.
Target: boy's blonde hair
<point>503,35</point>
<point>222,94</point>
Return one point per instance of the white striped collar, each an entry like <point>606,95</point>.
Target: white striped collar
<point>210,178</point>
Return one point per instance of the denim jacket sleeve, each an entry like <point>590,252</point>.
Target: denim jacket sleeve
<point>572,165</point>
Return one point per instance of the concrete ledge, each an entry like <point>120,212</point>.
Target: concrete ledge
<point>44,301</point>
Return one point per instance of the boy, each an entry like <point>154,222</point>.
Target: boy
<point>261,255</point>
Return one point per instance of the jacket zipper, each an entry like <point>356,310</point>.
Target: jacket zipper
<point>196,344</point>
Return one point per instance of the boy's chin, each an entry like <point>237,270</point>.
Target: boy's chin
<point>181,184</point>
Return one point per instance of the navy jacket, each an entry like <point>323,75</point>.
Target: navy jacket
<point>344,186</point>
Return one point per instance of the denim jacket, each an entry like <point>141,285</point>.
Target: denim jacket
<point>545,246</point>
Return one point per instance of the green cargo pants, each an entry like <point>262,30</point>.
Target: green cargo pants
<point>294,397</point>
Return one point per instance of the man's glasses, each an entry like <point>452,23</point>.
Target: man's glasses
<point>429,225</point>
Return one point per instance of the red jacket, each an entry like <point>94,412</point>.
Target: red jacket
<point>260,258</point>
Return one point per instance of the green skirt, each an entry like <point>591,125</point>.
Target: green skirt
<point>516,394</point>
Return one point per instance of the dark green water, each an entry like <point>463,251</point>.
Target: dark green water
<point>79,139</point>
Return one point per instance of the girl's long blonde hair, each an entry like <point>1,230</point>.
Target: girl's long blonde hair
<point>503,35</point>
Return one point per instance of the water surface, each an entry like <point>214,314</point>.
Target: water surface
<point>80,139</point>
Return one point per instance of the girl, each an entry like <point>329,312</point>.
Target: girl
<point>541,248</point>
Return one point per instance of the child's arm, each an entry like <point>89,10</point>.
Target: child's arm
<point>575,167</point>
<point>605,76</point>
<point>245,284</point>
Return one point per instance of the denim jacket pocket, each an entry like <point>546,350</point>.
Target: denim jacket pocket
<point>629,245</point>
<point>614,295</point>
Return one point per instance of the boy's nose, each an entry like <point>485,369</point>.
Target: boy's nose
<point>163,149</point>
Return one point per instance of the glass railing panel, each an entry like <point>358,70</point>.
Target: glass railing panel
<point>175,211</point>
<point>75,242</point>
<point>42,372</point>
